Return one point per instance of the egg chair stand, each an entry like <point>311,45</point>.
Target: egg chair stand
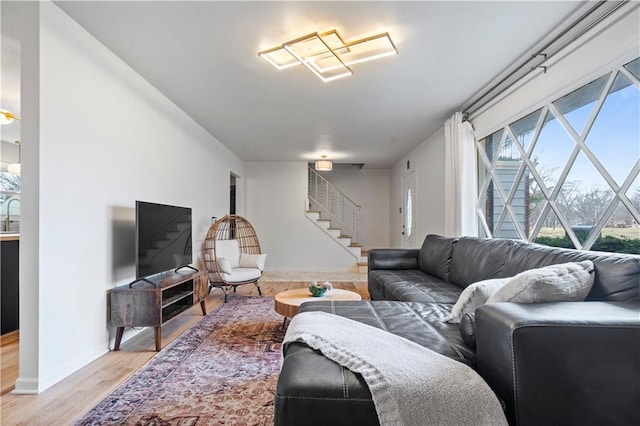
<point>226,246</point>
<point>226,289</point>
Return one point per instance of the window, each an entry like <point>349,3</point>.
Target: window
<point>409,213</point>
<point>9,203</point>
<point>567,174</point>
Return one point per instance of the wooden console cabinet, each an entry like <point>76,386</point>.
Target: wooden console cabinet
<point>154,301</point>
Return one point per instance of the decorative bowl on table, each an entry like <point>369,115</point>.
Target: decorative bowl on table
<point>319,290</point>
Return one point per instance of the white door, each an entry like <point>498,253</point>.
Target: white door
<point>409,209</point>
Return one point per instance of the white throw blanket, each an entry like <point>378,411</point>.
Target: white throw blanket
<point>410,384</point>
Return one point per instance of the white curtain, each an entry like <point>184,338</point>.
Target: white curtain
<point>460,178</point>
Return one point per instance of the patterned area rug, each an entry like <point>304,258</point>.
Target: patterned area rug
<point>222,371</point>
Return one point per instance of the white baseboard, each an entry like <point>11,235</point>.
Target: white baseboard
<point>26,386</point>
<point>338,270</point>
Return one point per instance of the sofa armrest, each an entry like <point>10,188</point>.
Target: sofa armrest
<point>562,363</point>
<point>393,259</point>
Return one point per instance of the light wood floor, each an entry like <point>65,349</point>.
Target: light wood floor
<point>72,397</point>
<point>9,366</point>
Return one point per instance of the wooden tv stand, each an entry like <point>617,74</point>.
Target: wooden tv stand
<point>155,300</point>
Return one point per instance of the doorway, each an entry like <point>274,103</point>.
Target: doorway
<point>232,203</point>
<point>408,209</point>
<point>232,193</point>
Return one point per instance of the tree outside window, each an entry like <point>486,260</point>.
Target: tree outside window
<point>567,174</point>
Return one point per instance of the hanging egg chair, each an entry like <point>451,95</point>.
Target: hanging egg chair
<point>232,254</point>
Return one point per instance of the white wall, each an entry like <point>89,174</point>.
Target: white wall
<point>369,188</point>
<point>276,194</point>
<point>427,160</point>
<point>106,138</point>
<point>29,197</point>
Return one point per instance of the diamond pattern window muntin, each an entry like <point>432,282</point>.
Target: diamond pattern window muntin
<point>617,157</point>
<point>525,204</point>
<point>524,129</point>
<point>634,68</point>
<point>633,193</point>
<point>578,105</point>
<point>555,143</point>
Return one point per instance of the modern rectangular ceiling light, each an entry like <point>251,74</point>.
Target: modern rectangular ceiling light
<point>368,49</point>
<point>310,48</point>
<point>279,58</point>
<point>327,55</point>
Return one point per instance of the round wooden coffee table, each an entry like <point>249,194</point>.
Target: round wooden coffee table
<point>288,302</point>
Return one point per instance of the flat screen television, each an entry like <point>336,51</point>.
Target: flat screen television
<point>163,238</point>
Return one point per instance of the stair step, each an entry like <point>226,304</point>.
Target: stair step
<point>355,251</point>
<point>363,263</point>
<point>313,215</point>
<point>344,241</point>
<point>324,224</point>
<point>335,233</point>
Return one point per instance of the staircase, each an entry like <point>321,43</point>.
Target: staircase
<point>345,241</point>
<point>337,215</point>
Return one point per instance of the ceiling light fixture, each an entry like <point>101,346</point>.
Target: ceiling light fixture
<point>327,55</point>
<point>6,117</point>
<point>324,165</point>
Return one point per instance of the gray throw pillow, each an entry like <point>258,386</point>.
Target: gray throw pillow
<point>565,282</point>
<point>473,296</point>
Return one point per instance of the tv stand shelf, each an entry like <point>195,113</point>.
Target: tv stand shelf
<point>154,301</point>
<point>175,298</point>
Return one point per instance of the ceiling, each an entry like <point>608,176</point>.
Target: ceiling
<point>203,57</point>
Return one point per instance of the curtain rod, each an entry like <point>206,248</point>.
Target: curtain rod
<point>548,50</point>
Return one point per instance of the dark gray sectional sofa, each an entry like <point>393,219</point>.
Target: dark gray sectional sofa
<point>549,363</point>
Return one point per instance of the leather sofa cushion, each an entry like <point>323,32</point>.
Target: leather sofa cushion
<point>616,275</point>
<point>477,259</point>
<point>562,363</point>
<point>388,259</point>
<point>468,329</point>
<point>412,286</point>
<point>316,389</point>
<point>392,259</point>
<point>422,323</point>
<point>435,256</point>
